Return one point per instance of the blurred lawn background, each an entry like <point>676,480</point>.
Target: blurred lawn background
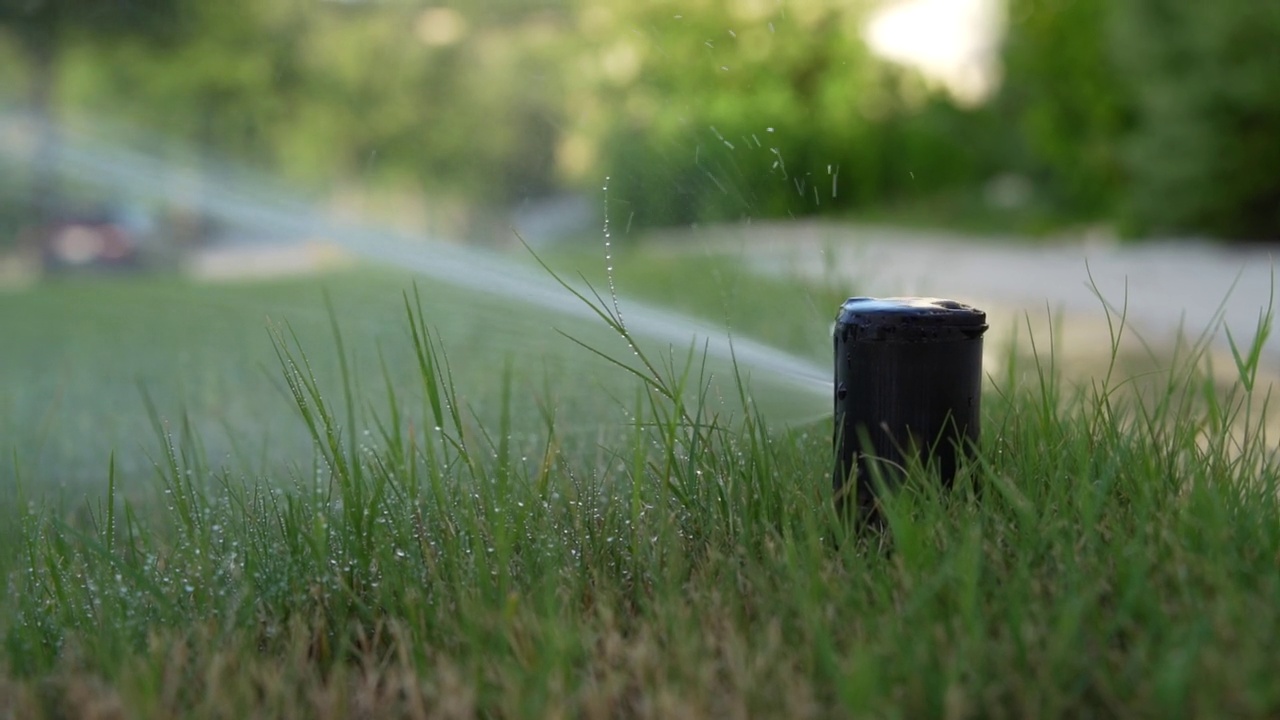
<point>83,358</point>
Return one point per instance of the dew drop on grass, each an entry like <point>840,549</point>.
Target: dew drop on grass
<point>608,257</point>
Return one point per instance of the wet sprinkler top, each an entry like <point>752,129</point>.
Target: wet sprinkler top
<point>908,319</point>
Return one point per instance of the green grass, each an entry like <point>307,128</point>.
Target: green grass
<point>76,358</point>
<point>77,355</point>
<point>721,288</point>
<point>1111,551</point>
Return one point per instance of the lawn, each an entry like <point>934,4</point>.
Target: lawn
<point>421,517</point>
<point>80,358</point>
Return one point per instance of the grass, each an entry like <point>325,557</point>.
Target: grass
<point>75,355</point>
<point>721,288</point>
<point>1111,551</point>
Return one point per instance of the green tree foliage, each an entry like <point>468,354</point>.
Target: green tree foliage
<point>1205,155</point>
<point>1162,114</point>
<point>41,29</point>
<point>221,89</point>
<point>1163,111</point>
<point>459,102</point>
<point>1066,102</point>
<point>725,109</point>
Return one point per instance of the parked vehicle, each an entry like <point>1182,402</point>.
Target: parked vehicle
<point>107,237</point>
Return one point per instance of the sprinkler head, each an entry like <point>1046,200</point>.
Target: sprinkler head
<point>908,387</point>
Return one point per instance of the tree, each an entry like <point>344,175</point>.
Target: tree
<point>1206,145</point>
<point>1066,101</point>
<point>713,109</point>
<point>42,29</point>
<point>463,103</point>
<point>737,109</point>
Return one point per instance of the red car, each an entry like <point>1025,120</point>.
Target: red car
<point>102,239</point>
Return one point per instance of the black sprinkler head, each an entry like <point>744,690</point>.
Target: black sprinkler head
<point>908,386</point>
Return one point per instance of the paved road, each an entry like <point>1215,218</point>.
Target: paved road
<point>1166,283</point>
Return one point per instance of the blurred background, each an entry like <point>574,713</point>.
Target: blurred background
<point>953,147</point>
<point>1127,117</point>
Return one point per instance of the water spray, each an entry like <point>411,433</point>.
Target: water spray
<point>908,386</point>
<point>249,200</point>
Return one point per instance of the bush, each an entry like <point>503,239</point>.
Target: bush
<point>1206,149</point>
<point>1065,102</point>
<point>726,110</point>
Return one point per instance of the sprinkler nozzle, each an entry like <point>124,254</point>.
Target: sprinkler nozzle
<point>908,387</point>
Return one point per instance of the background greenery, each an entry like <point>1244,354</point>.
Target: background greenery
<point>1153,115</point>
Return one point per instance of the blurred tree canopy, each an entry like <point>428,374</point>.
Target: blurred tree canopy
<point>1205,154</point>
<point>1159,114</point>
<point>43,30</point>
<point>451,101</point>
<point>725,109</point>
<point>1065,103</point>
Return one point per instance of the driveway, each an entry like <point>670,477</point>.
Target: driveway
<point>1167,284</point>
